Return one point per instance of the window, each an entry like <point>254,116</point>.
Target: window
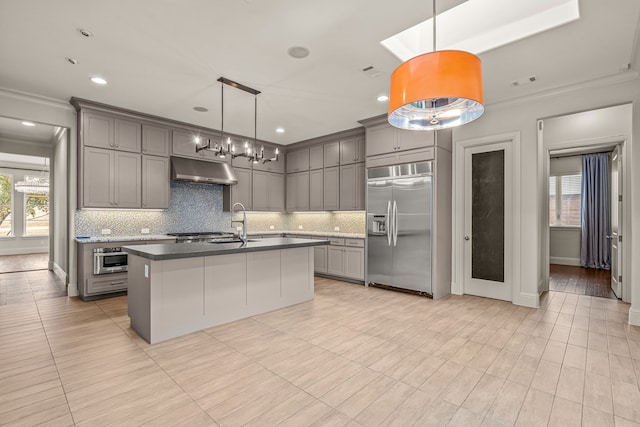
<point>564,200</point>
<point>6,203</point>
<point>36,209</point>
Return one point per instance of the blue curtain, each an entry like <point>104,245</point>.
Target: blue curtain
<point>595,250</point>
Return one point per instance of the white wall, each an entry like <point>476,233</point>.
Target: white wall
<point>521,116</point>
<point>564,242</point>
<point>56,113</point>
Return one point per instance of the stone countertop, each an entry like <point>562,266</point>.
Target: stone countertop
<point>309,233</point>
<point>159,252</point>
<point>109,238</point>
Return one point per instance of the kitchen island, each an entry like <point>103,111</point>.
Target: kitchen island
<point>179,288</point>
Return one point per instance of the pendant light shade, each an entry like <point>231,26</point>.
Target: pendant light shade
<point>437,90</point>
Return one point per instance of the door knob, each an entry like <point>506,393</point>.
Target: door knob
<point>467,238</point>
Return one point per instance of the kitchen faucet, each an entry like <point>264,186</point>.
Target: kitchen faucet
<point>244,221</point>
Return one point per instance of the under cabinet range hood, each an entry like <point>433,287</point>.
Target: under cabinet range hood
<point>200,171</point>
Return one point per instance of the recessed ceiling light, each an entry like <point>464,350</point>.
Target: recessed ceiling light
<point>280,130</point>
<point>71,60</point>
<point>201,109</point>
<point>30,124</point>
<point>298,52</point>
<point>383,98</point>
<point>99,80</point>
<point>85,33</point>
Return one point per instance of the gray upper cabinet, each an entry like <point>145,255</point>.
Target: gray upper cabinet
<point>298,161</point>
<point>316,157</point>
<point>97,178</point>
<point>241,192</point>
<point>103,131</point>
<point>155,182</point>
<point>268,191</point>
<point>352,150</point>
<point>332,154</point>
<point>331,189</point>
<point>410,139</point>
<point>156,140</point>
<point>352,187</point>
<point>316,193</point>
<point>384,138</point>
<point>298,191</point>
<point>275,192</point>
<point>127,180</point>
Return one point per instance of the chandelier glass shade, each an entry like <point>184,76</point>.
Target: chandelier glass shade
<point>35,185</point>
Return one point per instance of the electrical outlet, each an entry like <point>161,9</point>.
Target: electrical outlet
<point>145,231</point>
<point>300,227</point>
<point>272,227</point>
<point>336,228</point>
<point>106,231</point>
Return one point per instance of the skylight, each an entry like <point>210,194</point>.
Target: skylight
<point>477,26</point>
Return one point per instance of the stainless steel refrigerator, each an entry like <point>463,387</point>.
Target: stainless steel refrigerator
<point>399,210</point>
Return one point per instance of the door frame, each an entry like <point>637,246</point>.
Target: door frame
<point>512,214</point>
<point>580,146</point>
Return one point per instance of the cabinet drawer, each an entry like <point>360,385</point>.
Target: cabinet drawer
<point>106,285</point>
<point>336,242</point>
<point>359,243</point>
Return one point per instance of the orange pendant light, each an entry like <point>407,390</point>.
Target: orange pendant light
<point>436,90</point>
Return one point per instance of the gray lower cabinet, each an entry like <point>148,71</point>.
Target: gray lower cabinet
<point>298,191</point>
<point>241,192</point>
<point>352,187</point>
<point>345,258</point>
<point>354,263</point>
<point>155,182</point>
<point>111,179</point>
<point>335,260</point>
<point>320,259</point>
<point>268,191</point>
<point>316,193</point>
<point>331,189</point>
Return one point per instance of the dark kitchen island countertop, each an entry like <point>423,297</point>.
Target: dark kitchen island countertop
<point>159,252</point>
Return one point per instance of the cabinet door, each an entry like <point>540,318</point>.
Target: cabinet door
<point>331,154</point>
<point>348,196</point>
<point>298,161</point>
<point>183,144</point>
<point>127,180</point>
<point>97,179</point>
<point>361,186</point>
<point>97,130</point>
<point>354,263</point>
<point>410,139</point>
<point>156,140</point>
<point>155,182</point>
<point>316,157</point>
<point>381,139</point>
<point>351,150</point>
<point>128,135</point>
<point>316,194</point>
<point>241,192</point>
<point>320,259</point>
<point>332,189</point>
<point>271,166</point>
<point>275,192</point>
<point>292,191</point>
<point>302,191</point>
<point>260,197</point>
<point>210,155</point>
<point>335,260</point>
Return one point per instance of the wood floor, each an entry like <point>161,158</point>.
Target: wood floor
<point>30,286</point>
<point>354,356</point>
<point>578,280</point>
<point>25,262</point>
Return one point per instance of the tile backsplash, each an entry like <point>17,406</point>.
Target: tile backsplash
<point>198,207</point>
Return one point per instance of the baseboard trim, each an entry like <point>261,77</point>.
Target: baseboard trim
<point>564,261</point>
<point>60,273</point>
<point>634,317</point>
<point>72,290</point>
<point>456,289</point>
<point>527,300</point>
<point>24,251</point>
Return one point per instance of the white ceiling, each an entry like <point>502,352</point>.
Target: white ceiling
<point>163,57</point>
<point>14,130</point>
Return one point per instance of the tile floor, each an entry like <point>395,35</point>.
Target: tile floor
<point>354,356</point>
<point>28,286</point>
<point>25,262</point>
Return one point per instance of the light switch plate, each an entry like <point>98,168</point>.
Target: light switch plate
<point>300,227</point>
<point>145,231</point>
<point>146,271</point>
<point>106,231</point>
<point>336,228</point>
<point>272,227</point>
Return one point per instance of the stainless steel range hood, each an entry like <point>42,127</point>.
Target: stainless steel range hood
<point>203,172</point>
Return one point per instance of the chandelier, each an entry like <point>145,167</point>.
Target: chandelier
<point>35,184</point>
<point>223,149</point>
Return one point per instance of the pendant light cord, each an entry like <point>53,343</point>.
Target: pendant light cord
<point>255,123</point>
<point>222,115</point>
<point>434,25</point>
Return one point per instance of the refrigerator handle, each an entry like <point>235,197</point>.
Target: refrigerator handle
<point>395,223</point>
<point>387,222</point>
